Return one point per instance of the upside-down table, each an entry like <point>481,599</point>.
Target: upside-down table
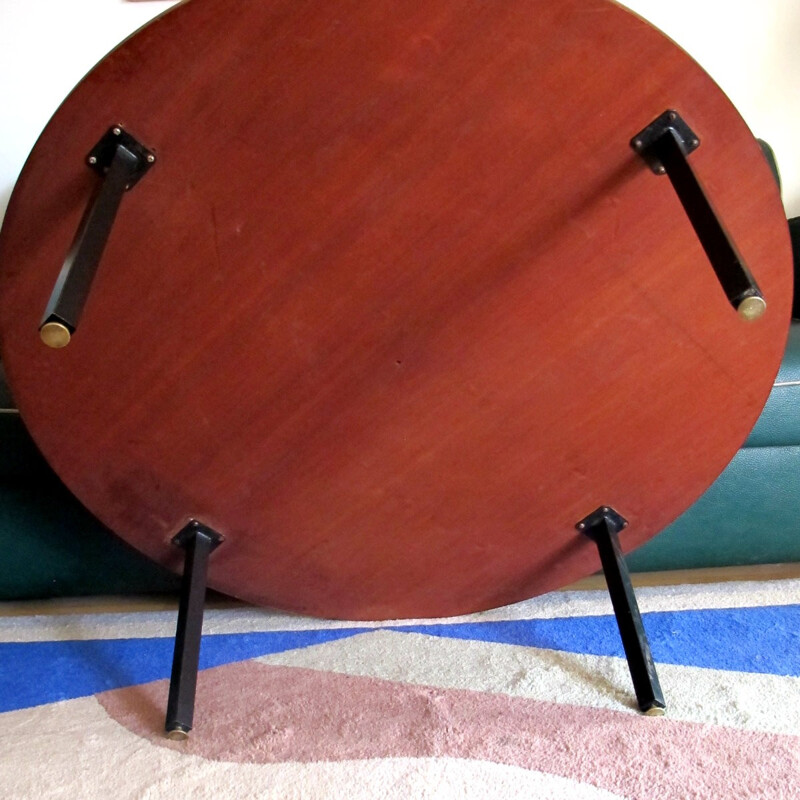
<point>400,305</point>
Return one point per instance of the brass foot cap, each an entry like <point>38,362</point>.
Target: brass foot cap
<point>54,334</point>
<point>178,735</point>
<point>655,711</point>
<point>752,308</point>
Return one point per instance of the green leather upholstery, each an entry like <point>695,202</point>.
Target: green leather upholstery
<point>19,459</point>
<point>51,545</point>
<point>750,515</point>
<point>779,423</point>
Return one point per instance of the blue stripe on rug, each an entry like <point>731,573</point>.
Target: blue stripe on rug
<point>763,640</point>
<point>34,673</point>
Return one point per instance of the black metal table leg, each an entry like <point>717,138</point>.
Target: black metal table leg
<point>665,144</point>
<point>198,541</point>
<point>602,527</point>
<point>121,161</point>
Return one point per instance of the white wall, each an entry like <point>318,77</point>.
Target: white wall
<point>751,48</point>
<point>46,47</point>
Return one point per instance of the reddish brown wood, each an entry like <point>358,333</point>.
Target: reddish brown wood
<point>398,305</point>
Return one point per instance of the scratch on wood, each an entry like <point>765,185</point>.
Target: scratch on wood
<point>216,239</point>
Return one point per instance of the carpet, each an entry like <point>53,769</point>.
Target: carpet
<point>529,701</point>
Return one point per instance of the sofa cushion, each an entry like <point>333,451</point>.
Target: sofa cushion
<point>53,547</point>
<point>779,423</point>
<point>19,458</point>
<point>748,516</point>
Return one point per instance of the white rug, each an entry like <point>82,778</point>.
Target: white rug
<point>529,701</point>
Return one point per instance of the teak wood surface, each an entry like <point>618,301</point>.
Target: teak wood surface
<point>397,305</point>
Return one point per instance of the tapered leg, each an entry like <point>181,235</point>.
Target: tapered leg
<point>121,161</point>
<point>198,541</point>
<point>665,144</point>
<point>602,527</point>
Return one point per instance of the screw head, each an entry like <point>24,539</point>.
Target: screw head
<point>91,160</point>
<point>150,158</point>
<point>661,170</point>
<point>637,143</point>
<point>116,131</point>
<point>672,115</point>
<point>581,526</point>
<point>695,142</point>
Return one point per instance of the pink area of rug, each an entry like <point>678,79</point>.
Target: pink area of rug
<point>528,702</point>
<point>258,713</point>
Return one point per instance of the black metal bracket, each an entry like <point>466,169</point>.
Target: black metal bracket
<point>665,145</point>
<point>198,542</point>
<point>101,156</point>
<point>669,123</point>
<point>602,526</point>
<point>121,161</point>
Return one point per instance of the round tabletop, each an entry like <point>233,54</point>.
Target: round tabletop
<point>398,304</point>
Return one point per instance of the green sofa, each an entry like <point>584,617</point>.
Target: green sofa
<point>751,514</point>
<point>53,547</point>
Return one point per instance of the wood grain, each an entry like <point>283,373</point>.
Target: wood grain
<point>398,305</point>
